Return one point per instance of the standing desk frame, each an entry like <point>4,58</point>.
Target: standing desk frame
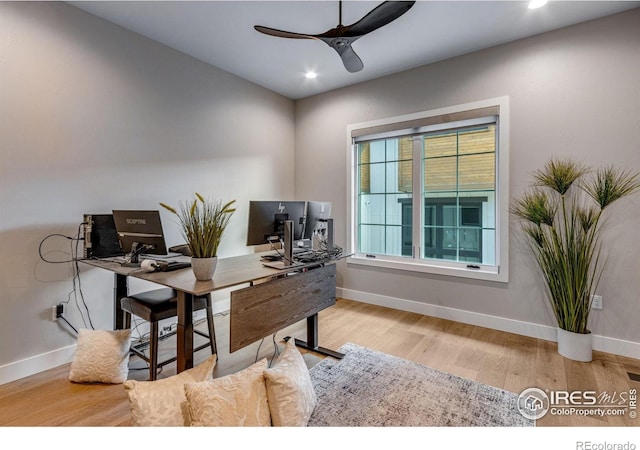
<point>273,300</point>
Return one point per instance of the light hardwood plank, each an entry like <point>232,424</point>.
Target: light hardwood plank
<point>503,360</point>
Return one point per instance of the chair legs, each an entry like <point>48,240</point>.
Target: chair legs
<point>154,339</point>
<point>211,335</point>
<point>153,350</point>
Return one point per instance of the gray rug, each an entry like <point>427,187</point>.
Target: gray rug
<point>371,389</point>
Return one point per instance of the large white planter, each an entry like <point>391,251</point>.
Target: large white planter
<point>204,268</point>
<point>575,346</point>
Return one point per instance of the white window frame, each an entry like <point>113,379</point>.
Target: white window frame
<point>498,272</point>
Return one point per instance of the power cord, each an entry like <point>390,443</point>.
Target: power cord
<point>68,323</point>
<point>276,350</point>
<point>76,290</point>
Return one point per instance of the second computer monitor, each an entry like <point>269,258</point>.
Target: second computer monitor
<point>317,215</point>
<point>142,227</point>
<point>266,220</point>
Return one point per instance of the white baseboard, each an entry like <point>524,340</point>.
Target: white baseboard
<point>548,333</point>
<point>38,363</point>
<point>45,361</point>
<point>20,369</point>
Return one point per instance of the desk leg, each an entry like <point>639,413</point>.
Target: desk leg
<point>185,332</point>
<point>312,340</point>
<point>120,290</point>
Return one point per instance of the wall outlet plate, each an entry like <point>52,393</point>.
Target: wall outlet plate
<point>596,302</point>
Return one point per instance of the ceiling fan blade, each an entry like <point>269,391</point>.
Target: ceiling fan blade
<point>350,59</point>
<point>282,34</point>
<point>381,15</point>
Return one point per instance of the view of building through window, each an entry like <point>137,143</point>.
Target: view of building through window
<point>456,183</point>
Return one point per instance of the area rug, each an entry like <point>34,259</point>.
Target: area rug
<point>372,389</point>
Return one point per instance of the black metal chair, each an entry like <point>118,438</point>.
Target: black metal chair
<point>156,305</point>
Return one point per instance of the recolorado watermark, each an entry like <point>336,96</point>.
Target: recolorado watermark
<point>535,403</point>
<point>589,445</point>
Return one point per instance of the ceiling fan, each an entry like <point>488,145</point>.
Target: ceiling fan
<point>341,37</point>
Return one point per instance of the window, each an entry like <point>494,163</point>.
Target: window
<point>427,189</point>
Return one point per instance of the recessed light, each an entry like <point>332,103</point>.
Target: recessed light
<point>533,4</point>
<point>310,74</point>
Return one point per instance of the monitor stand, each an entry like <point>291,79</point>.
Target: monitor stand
<point>330,244</point>
<point>287,259</point>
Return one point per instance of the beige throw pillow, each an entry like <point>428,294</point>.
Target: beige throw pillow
<point>162,403</point>
<point>101,356</point>
<point>239,399</point>
<point>289,389</point>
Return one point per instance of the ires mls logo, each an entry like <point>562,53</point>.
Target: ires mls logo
<point>534,403</point>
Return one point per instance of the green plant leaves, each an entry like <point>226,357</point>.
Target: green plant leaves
<point>536,206</point>
<point>559,174</point>
<point>610,184</point>
<point>563,231</point>
<point>203,223</point>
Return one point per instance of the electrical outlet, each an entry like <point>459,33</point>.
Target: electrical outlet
<point>596,301</point>
<point>57,311</point>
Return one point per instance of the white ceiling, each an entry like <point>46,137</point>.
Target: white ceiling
<point>221,33</point>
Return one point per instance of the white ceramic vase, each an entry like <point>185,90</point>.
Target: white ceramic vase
<point>204,268</point>
<point>575,346</point>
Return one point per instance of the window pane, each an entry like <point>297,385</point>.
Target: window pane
<point>371,239</point>
<point>363,167</point>
<point>479,140</point>
<point>392,176</point>
<point>477,171</point>
<point>372,209</point>
<point>394,241</point>
<point>441,144</point>
<point>457,186</point>
<point>488,209</point>
<point>405,165</point>
<point>440,174</point>
<point>377,177</point>
<point>470,239</point>
<point>377,151</point>
<point>384,202</point>
<point>394,210</point>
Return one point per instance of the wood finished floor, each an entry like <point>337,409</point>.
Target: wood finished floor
<point>503,360</point>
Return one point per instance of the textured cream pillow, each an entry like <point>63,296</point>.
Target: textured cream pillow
<point>161,403</point>
<point>102,356</point>
<point>289,389</point>
<point>239,399</point>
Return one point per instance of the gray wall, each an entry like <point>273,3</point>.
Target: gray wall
<point>95,118</point>
<point>574,92</point>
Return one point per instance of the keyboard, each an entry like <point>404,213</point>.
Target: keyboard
<point>166,257</point>
<point>175,265</point>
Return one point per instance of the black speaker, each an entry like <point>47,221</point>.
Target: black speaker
<point>100,236</point>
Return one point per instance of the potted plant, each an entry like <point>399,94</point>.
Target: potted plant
<point>203,223</point>
<point>562,218</point>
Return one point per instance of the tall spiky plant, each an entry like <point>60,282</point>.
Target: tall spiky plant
<point>563,229</point>
<point>203,223</point>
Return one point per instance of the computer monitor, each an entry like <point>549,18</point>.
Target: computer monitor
<point>142,228</point>
<point>266,220</point>
<point>317,215</point>
<point>100,236</point>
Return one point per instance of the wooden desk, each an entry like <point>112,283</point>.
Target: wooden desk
<point>233,272</point>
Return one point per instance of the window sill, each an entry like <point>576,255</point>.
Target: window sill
<point>484,273</point>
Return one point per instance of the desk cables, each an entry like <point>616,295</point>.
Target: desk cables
<point>76,290</point>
